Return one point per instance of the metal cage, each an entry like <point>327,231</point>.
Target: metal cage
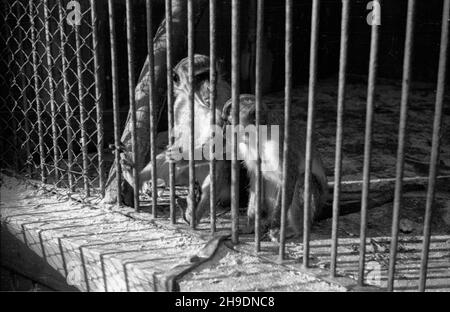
<point>53,109</point>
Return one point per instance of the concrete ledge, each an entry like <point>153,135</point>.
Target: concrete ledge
<point>88,248</point>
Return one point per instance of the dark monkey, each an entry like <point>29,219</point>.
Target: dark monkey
<point>272,164</point>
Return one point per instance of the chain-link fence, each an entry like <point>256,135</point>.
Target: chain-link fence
<point>51,115</point>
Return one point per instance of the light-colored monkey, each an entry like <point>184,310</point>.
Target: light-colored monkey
<point>272,164</point>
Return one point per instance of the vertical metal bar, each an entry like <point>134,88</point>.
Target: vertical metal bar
<point>169,61</point>
<point>436,142</point>
<point>287,120</point>
<point>310,128</point>
<point>151,103</point>
<point>339,133</point>
<point>81,95</point>
<point>373,65</point>
<point>67,108</point>
<point>98,99</point>
<point>212,99</point>
<point>258,98</point>
<point>48,41</point>
<point>115,98</point>
<point>409,43</point>
<point>13,120</point>
<point>25,104</point>
<point>32,13</point>
<point>131,87</point>
<point>192,200</point>
<point>235,91</point>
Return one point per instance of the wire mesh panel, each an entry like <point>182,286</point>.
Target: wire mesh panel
<point>51,113</point>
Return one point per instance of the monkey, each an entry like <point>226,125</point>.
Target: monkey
<point>271,170</point>
<point>181,133</point>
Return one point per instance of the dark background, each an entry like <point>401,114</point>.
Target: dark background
<point>392,37</point>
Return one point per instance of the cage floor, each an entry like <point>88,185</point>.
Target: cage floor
<point>101,245</point>
<point>96,249</point>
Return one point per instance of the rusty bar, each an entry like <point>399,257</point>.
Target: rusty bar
<point>13,120</point>
<point>170,102</point>
<point>373,64</point>
<point>151,104</point>
<point>409,43</point>
<point>258,98</point>
<point>235,91</point>
<point>67,108</point>
<point>48,41</point>
<point>99,98</point>
<point>36,90</point>
<point>310,128</point>
<point>115,98</point>
<point>436,142</point>
<point>192,200</point>
<point>81,95</point>
<point>212,100</point>
<point>131,87</point>
<point>287,121</point>
<point>339,133</point>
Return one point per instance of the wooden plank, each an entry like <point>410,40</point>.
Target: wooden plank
<point>16,256</point>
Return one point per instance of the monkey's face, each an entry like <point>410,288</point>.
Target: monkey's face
<point>182,86</point>
<point>202,108</point>
<point>247,111</point>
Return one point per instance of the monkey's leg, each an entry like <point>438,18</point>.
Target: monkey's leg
<point>296,211</point>
<point>275,218</point>
<point>203,204</point>
<point>251,210</point>
<point>222,196</point>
